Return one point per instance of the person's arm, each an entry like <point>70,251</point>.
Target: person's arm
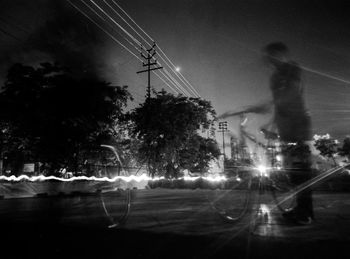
<point>259,109</point>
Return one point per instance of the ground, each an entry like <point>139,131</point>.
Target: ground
<point>168,223</point>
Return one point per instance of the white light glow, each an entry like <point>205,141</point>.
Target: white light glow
<point>130,178</point>
<point>262,169</point>
<point>178,69</point>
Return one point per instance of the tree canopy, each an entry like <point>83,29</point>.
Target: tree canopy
<point>345,149</point>
<point>48,115</point>
<point>167,128</point>
<point>327,146</point>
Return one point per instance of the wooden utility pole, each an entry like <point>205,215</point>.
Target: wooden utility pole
<point>223,129</point>
<point>149,64</point>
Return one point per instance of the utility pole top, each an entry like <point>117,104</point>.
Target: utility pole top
<point>148,57</point>
<point>223,129</point>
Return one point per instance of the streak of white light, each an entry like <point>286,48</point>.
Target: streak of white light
<point>130,178</point>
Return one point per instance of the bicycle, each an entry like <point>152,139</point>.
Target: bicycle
<point>232,205</point>
<point>116,221</point>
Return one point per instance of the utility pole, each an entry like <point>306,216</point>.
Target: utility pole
<point>149,64</point>
<point>223,129</point>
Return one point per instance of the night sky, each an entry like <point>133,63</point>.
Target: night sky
<point>216,43</point>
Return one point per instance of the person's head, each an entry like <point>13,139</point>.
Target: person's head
<point>276,53</point>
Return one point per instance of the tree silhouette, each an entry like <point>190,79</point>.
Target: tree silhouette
<point>345,149</point>
<point>166,127</point>
<point>48,115</point>
<point>327,146</point>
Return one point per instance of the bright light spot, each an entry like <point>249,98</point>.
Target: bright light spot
<point>278,158</point>
<point>238,179</point>
<point>264,209</point>
<point>177,69</point>
<point>262,169</point>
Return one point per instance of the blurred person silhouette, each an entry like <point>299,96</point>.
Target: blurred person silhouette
<point>293,124</point>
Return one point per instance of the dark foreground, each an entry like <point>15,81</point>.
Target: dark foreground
<point>167,224</point>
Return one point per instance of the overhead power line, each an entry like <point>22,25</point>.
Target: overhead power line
<point>9,34</point>
<point>105,31</point>
<point>171,78</point>
<point>172,66</point>
<point>160,75</point>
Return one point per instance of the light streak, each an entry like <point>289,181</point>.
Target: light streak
<point>325,75</point>
<point>41,178</point>
<point>130,178</point>
<point>253,50</point>
<point>311,182</point>
<point>114,152</point>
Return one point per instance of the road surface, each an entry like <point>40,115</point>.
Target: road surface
<point>167,223</point>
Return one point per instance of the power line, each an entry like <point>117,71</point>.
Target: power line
<point>117,41</point>
<point>183,90</point>
<point>13,25</point>
<point>10,35</point>
<point>94,11</point>
<point>172,66</point>
<point>172,80</point>
<point>121,27</point>
<point>110,35</point>
<point>126,22</point>
<point>132,20</point>
<point>175,72</point>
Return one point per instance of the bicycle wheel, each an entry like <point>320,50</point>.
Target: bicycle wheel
<point>233,203</point>
<point>282,190</point>
<point>116,206</point>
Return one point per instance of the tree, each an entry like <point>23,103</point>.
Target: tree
<point>196,155</point>
<point>327,146</point>
<point>166,127</point>
<point>345,149</point>
<point>51,116</point>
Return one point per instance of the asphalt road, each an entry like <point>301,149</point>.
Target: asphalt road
<point>168,223</point>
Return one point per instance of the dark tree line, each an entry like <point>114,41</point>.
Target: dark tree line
<point>48,115</point>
